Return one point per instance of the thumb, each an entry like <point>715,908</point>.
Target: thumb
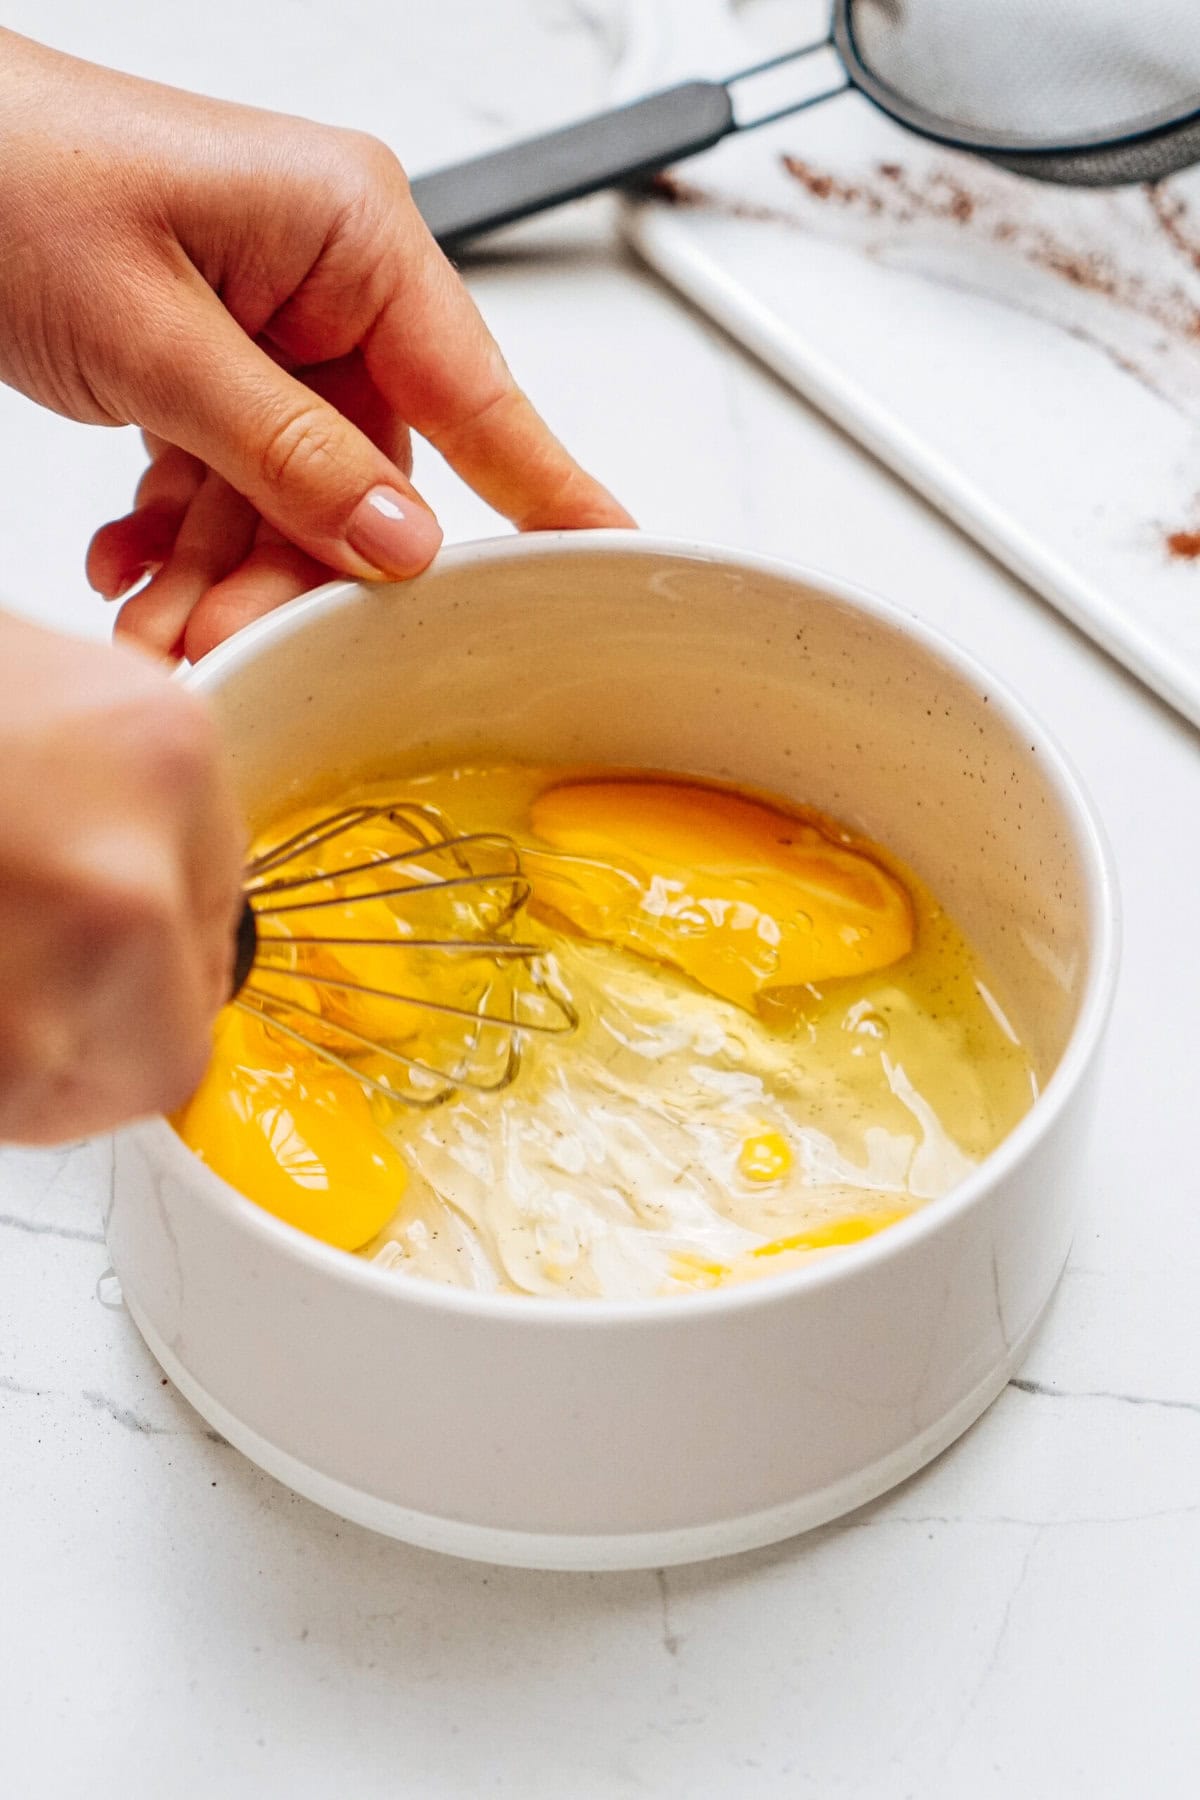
<point>300,463</point>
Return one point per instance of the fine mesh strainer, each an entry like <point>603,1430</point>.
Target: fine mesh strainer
<point>1089,93</point>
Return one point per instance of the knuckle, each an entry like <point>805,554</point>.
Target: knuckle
<point>165,738</point>
<point>299,447</point>
<point>185,746</point>
<point>112,908</point>
<point>38,1057</point>
<point>372,161</point>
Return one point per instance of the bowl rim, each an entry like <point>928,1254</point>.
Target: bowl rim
<point>683,1310</point>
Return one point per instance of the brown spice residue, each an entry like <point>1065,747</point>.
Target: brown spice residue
<point>669,188</point>
<point>943,194</point>
<point>1184,546</point>
<point>1117,274</point>
<point>900,198</point>
<point>1081,270</point>
<point>891,195</point>
<point>1172,214</point>
<point>824,186</point>
<point>938,195</point>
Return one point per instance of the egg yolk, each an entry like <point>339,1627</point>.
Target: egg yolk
<point>766,1157</point>
<point>294,1134</point>
<point>736,894</point>
<point>786,1252</point>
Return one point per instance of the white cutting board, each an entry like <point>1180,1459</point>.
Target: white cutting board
<point>1027,357</point>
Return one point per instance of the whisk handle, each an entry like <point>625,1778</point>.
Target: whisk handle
<point>610,149</point>
<point>247,946</point>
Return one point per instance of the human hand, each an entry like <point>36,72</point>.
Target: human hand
<point>120,886</point>
<point>262,297</point>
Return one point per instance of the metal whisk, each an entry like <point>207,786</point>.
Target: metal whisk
<point>439,907</point>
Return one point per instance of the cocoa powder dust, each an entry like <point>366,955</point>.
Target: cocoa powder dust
<point>1139,309</point>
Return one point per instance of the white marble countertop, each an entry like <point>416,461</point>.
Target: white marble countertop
<point>1018,1620</point>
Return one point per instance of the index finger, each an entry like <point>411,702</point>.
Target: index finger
<point>434,360</point>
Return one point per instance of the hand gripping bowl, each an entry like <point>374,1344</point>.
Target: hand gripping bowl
<point>604,1434</point>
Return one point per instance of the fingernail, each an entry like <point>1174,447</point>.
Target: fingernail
<point>396,535</point>
<point>131,581</point>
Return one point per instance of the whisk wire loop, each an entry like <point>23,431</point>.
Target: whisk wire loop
<point>463,946</point>
<point>554,1027</point>
<point>401,859</point>
<point>310,837</point>
<point>519,894</point>
<point>442,1082</point>
<point>468,1035</point>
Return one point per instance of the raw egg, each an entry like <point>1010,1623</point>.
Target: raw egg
<point>740,896</point>
<point>781,1044</point>
<point>293,1132</point>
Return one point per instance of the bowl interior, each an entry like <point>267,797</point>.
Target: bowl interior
<point>611,649</point>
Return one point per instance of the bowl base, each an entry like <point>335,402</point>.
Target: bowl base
<point>595,1551</point>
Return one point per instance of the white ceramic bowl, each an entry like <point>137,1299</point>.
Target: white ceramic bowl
<point>598,1434</point>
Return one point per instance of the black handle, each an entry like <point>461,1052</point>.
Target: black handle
<point>247,947</point>
<point>607,150</point>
